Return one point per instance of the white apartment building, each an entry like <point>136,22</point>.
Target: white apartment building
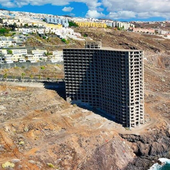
<point>39,55</point>
<point>19,51</point>
<point>3,51</point>
<point>39,52</point>
<point>57,56</point>
<point>7,43</point>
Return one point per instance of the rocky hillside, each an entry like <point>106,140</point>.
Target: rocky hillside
<point>39,130</point>
<point>126,40</point>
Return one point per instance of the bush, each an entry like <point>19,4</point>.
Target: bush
<point>9,51</point>
<point>48,53</point>
<point>4,31</point>
<point>85,35</point>
<point>65,41</point>
<point>22,75</point>
<point>39,76</point>
<point>72,24</point>
<point>108,27</point>
<point>50,165</point>
<point>74,105</point>
<point>42,67</point>
<point>5,75</point>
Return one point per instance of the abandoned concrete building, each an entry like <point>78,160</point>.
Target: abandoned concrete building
<point>109,80</point>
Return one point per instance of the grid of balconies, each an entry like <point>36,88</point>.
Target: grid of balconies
<point>110,80</point>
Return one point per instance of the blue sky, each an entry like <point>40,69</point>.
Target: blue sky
<point>123,10</point>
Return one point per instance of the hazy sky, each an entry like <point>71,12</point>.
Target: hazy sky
<point>113,9</point>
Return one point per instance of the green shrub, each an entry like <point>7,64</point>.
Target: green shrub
<point>4,31</point>
<point>42,67</point>
<point>85,35</point>
<point>9,51</point>
<point>50,165</point>
<point>39,76</point>
<point>31,76</point>
<point>5,75</point>
<point>65,41</point>
<point>72,24</point>
<point>22,75</point>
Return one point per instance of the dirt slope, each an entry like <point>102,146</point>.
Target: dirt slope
<point>126,40</point>
<point>39,130</point>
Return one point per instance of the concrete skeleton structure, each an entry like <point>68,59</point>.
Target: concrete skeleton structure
<point>107,79</point>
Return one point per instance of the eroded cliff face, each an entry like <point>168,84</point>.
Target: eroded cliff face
<point>149,147</point>
<point>113,155</point>
<point>152,144</point>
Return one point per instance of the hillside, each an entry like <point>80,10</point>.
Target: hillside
<point>108,37</point>
<point>48,71</point>
<point>39,130</point>
<point>53,42</point>
<point>126,40</point>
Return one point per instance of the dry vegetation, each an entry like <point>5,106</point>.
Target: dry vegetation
<point>53,71</point>
<point>126,40</point>
<point>52,42</point>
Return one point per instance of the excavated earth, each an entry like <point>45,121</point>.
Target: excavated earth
<point>39,130</point>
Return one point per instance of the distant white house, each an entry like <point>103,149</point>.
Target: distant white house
<point>57,56</point>
<point>8,58</point>
<point>19,51</point>
<point>39,55</point>
<point>162,32</point>
<point>11,41</point>
<point>3,51</point>
<point>30,58</point>
<point>11,21</point>
<point>167,36</point>
<point>41,31</point>
<point>124,25</point>
<point>4,43</point>
<point>39,52</point>
<point>21,60</point>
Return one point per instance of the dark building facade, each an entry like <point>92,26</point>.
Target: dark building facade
<point>111,80</point>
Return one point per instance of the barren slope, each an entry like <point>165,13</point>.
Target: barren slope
<point>38,127</point>
<point>126,40</point>
<point>39,130</point>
